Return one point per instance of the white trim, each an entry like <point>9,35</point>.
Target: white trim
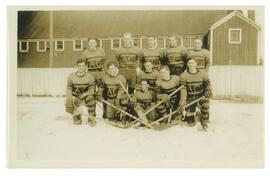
<point>74,45</point>
<point>27,47</point>
<point>45,46</point>
<point>164,42</point>
<point>181,40</point>
<point>55,45</point>
<point>100,43</point>
<point>258,47</point>
<point>211,47</point>
<point>141,42</point>
<point>235,13</point>
<point>240,35</point>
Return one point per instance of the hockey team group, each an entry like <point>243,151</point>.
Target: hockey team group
<point>143,88</point>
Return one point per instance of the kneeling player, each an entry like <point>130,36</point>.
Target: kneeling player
<point>81,89</point>
<point>111,90</point>
<point>166,85</point>
<point>144,98</point>
<point>196,85</point>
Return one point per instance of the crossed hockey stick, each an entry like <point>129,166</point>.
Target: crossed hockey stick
<point>174,112</point>
<point>130,115</point>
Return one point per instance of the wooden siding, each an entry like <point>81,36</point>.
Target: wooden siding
<point>33,58</point>
<point>66,58</point>
<point>227,81</point>
<point>235,54</point>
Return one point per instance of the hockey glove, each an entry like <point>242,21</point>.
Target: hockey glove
<point>69,105</point>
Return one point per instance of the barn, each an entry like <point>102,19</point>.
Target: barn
<point>235,40</point>
<point>49,42</point>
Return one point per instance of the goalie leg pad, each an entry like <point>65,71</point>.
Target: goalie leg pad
<point>161,110</point>
<point>109,112</point>
<point>91,105</point>
<point>204,107</point>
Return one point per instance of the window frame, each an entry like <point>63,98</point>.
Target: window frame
<point>240,35</point>
<point>27,47</point>
<point>55,45</point>
<point>112,43</point>
<point>45,46</point>
<point>74,45</point>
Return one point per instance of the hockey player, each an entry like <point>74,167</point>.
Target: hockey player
<point>130,61</point>
<point>149,74</point>
<point>175,56</point>
<point>196,84</point>
<point>145,98</point>
<point>95,58</point>
<point>152,53</point>
<point>167,84</point>
<point>200,55</point>
<point>81,89</point>
<point>111,91</point>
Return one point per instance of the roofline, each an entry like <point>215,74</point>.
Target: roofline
<point>232,14</point>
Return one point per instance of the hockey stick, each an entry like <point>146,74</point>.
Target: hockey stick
<point>191,103</point>
<point>110,122</point>
<point>130,115</point>
<point>156,105</point>
<point>168,115</point>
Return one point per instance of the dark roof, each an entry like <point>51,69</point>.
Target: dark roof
<point>113,23</point>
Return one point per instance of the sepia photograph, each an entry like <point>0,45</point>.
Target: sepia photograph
<point>135,87</point>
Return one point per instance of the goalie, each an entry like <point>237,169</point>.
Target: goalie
<point>80,90</point>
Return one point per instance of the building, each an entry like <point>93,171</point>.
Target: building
<point>232,38</point>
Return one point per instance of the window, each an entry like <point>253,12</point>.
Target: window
<point>24,45</point>
<point>115,44</point>
<point>41,46</point>
<point>161,42</point>
<point>137,42</point>
<point>187,42</point>
<point>59,45</point>
<point>77,45</point>
<point>235,36</point>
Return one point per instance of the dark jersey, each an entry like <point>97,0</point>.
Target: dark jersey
<point>175,56</point>
<point>154,56</point>
<point>196,84</point>
<point>144,98</point>
<point>94,59</point>
<point>150,77</point>
<point>77,85</point>
<point>110,86</point>
<point>168,86</point>
<point>129,57</point>
<point>201,56</point>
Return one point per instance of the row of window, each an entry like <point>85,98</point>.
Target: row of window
<point>78,45</point>
<point>59,45</point>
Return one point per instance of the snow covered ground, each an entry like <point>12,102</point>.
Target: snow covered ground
<point>235,138</point>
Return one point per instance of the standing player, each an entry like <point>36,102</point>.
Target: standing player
<point>81,89</point>
<point>95,58</point>
<point>152,53</point>
<point>129,58</point>
<point>200,55</point>
<point>149,74</point>
<point>175,56</point>
<point>167,84</point>
<point>111,91</point>
<point>196,84</point>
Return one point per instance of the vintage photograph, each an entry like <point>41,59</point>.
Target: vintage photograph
<point>136,87</point>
